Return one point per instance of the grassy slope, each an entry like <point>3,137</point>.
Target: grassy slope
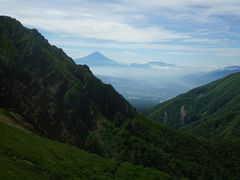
<point>212,110</point>
<point>24,155</point>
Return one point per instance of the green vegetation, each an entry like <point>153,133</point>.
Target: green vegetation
<point>142,142</point>
<point>211,111</point>
<point>24,155</point>
<point>57,97</point>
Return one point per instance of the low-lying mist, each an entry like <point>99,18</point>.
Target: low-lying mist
<point>152,74</point>
<point>144,87</point>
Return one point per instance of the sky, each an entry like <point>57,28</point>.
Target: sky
<point>202,33</point>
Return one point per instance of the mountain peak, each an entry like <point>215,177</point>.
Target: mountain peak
<point>97,53</point>
<point>96,59</point>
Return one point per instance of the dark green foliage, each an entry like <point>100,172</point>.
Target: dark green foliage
<point>211,111</point>
<point>24,155</point>
<point>143,142</point>
<point>57,97</point>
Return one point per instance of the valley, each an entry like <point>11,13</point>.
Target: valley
<point>159,82</point>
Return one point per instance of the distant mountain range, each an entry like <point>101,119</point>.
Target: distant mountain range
<point>195,80</point>
<point>142,93</point>
<point>153,65</point>
<point>97,59</point>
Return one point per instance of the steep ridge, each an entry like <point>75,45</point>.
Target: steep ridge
<point>60,99</point>
<point>64,101</point>
<point>211,111</point>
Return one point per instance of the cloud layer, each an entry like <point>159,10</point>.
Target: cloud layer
<point>192,26</point>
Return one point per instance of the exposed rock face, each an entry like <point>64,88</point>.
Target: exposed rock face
<point>183,113</point>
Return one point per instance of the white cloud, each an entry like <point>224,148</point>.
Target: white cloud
<point>123,21</point>
<point>172,49</point>
<point>101,29</point>
<point>192,11</point>
<point>88,21</point>
<point>133,24</point>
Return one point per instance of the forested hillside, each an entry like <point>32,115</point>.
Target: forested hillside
<point>211,111</point>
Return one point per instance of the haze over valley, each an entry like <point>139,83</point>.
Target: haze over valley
<point>147,84</point>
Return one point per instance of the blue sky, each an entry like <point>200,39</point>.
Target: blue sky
<point>185,32</point>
